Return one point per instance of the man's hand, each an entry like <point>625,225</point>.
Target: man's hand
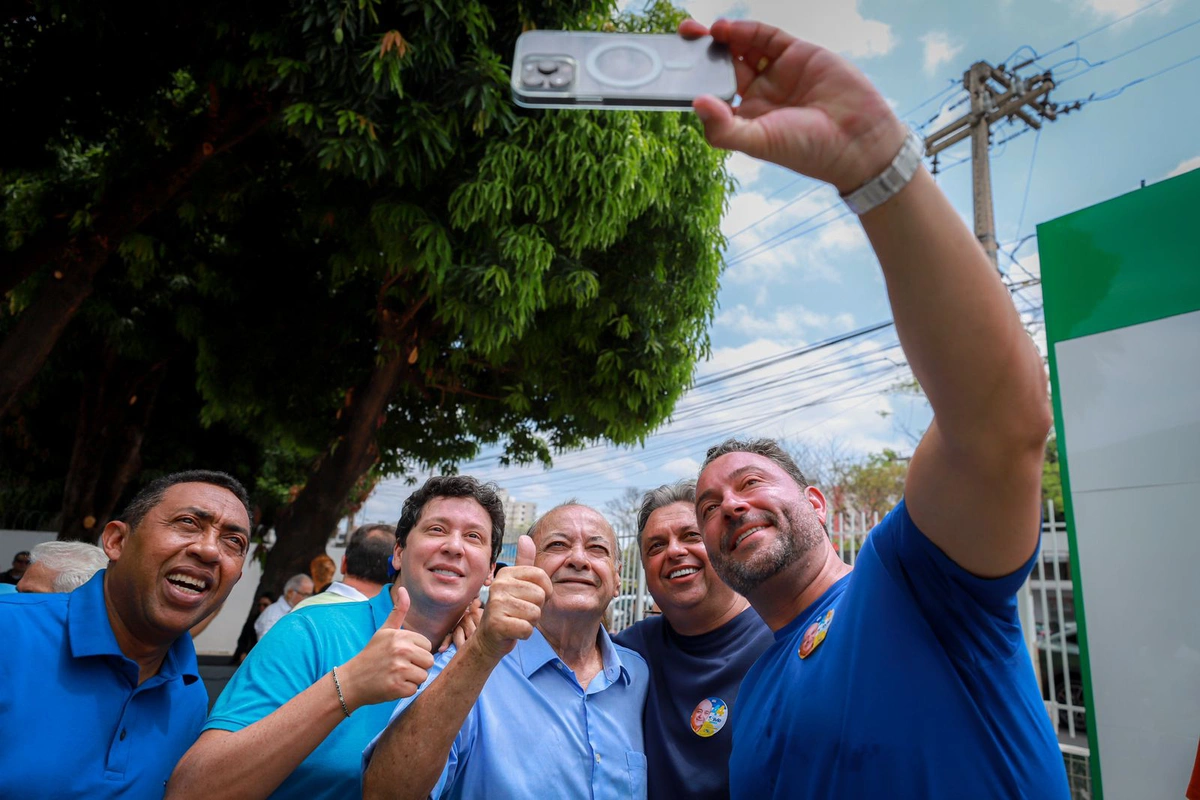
<point>803,107</point>
<point>514,604</point>
<point>465,628</point>
<point>392,665</point>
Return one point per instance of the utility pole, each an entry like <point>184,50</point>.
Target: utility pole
<point>996,93</point>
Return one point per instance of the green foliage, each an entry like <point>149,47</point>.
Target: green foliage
<point>1051,477</point>
<point>565,264</point>
<point>876,484</point>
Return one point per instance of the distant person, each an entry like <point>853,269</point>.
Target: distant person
<point>699,648</point>
<point>248,638</point>
<point>322,569</point>
<point>20,563</point>
<point>61,566</point>
<point>364,567</point>
<point>295,717</point>
<point>106,695</point>
<point>296,589</point>
<point>539,702</point>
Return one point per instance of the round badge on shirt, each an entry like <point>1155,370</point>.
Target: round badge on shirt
<point>709,716</point>
<point>815,634</point>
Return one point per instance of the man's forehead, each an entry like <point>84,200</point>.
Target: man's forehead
<point>568,520</point>
<point>204,497</point>
<point>733,465</point>
<point>466,511</point>
<point>677,516</point>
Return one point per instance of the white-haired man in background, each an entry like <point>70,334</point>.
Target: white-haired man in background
<point>61,566</point>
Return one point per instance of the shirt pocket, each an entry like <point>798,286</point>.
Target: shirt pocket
<point>636,764</point>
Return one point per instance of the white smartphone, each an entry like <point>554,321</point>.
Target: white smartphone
<point>647,71</point>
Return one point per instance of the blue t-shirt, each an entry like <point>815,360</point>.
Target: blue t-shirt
<point>299,650</point>
<point>75,721</point>
<point>916,684</point>
<point>535,732</point>
<point>694,682</point>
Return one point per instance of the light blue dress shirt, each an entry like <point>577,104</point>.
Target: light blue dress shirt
<point>535,732</point>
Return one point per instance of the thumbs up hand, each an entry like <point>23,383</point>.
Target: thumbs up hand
<point>392,665</point>
<point>514,605</point>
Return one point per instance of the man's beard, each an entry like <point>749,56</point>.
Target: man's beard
<point>794,540</point>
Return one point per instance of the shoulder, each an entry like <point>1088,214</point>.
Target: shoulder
<point>633,661</point>
<point>639,635</point>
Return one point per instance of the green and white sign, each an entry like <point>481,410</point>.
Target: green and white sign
<point>1121,282</point>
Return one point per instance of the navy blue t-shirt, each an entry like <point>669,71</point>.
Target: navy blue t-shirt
<point>915,684</point>
<point>694,683</point>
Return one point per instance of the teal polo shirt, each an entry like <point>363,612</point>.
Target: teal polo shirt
<point>75,721</point>
<point>299,650</point>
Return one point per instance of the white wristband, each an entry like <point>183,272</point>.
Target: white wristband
<point>888,183</point>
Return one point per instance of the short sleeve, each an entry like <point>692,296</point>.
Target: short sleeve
<point>975,618</point>
<point>277,669</point>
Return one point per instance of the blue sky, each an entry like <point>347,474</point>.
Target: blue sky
<point>799,270</point>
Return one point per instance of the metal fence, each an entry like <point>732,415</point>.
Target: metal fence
<point>1048,607</point>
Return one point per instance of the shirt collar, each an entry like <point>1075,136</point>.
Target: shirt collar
<point>381,605</point>
<point>536,652</point>
<point>90,634</point>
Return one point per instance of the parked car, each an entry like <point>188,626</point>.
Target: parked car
<point>1058,652</point>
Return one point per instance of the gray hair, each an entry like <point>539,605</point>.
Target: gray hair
<point>663,496</point>
<point>74,563</point>
<point>767,448</point>
<point>295,582</point>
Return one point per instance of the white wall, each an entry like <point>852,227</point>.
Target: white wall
<point>1131,418</point>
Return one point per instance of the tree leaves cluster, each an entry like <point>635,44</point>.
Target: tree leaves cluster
<point>314,242</point>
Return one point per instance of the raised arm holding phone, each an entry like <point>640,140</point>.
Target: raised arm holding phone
<point>907,675</point>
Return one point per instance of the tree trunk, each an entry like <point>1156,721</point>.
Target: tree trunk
<point>113,415</point>
<point>77,259</point>
<point>304,527</point>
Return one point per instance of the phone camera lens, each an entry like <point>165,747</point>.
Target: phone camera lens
<point>559,81</point>
<point>547,67</point>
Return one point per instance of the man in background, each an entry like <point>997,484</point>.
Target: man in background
<point>19,564</point>
<point>296,589</point>
<point>364,567</point>
<point>61,566</point>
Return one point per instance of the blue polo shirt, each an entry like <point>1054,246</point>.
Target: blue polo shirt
<point>908,678</point>
<point>297,652</point>
<point>535,732</point>
<point>76,723</point>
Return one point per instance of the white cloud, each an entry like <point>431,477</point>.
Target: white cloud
<point>1113,8</point>
<point>836,24</point>
<point>783,322</point>
<point>1184,166</point>
<point>745,169</point>
<point>939,50</point>
<point>683,467</point>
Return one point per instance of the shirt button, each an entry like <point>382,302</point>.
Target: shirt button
<point>597,758</point>
<point>123,733</point>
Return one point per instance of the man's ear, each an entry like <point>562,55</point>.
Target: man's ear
<point>817,500</point>
<point>113,539</point>
<point>397,550</point>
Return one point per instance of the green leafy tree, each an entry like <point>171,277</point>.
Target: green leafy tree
<point>1051,477</point>
<point>375,263</point>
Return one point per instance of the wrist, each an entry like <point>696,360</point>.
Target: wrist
<point>347,682</point>
<point>891,179</point>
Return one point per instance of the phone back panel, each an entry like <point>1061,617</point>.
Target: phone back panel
<point>573,69</point>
